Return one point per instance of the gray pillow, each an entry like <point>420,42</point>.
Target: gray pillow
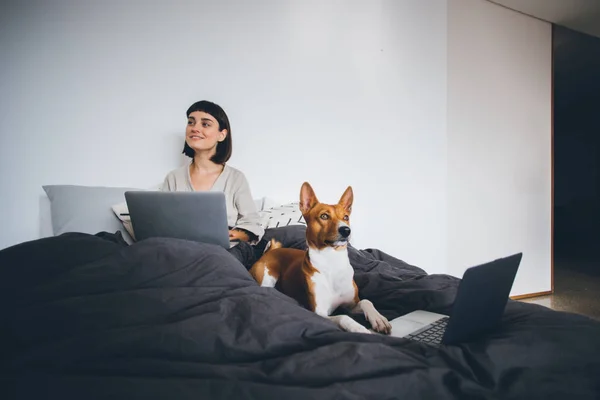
<point>86,209</point>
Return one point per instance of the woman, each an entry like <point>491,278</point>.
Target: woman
<point>208,143</point>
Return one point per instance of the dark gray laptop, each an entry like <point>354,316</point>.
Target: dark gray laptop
<point>197,216</point>
<point>478,307</point>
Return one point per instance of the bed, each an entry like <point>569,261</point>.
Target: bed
<point>89,314</point>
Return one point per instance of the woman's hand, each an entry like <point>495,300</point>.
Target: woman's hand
<point>236,234</point>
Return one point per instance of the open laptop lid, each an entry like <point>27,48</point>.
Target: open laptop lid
<point>481,298</point>
<point>197,216</point>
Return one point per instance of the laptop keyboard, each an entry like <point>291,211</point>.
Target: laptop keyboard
<point>431,334</point>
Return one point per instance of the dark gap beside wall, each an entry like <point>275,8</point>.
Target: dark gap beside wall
<point>576,145</point>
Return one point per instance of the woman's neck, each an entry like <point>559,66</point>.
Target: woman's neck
<point>203,163</point>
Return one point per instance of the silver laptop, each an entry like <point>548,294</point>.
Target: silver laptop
<point>478,307</point>
<point>197,216</point>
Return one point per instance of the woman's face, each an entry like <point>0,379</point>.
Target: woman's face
<point>202,132</point>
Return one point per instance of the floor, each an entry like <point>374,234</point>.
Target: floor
<point>576,287</point>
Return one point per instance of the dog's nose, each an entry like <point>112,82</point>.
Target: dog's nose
<point>344,231</point>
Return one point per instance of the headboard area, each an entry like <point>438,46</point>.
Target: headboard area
<point>86,209</point>
<point>90,209</point>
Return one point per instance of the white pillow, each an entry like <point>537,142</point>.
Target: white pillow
<point>268,203</point>
<point>283,215</point>
<point>260,203</point>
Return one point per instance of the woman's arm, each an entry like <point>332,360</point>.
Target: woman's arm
<point>248,216</point>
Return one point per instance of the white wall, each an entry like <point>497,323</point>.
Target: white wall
<point>337,93</point>
<point>499,140</point>
<point>437,113</point>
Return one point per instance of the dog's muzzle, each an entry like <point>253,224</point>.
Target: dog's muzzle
<point>343,233</point>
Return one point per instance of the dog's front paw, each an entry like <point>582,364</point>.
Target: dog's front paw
<point>378,322</point>
<point>349,325</point>
<point>358,328</point>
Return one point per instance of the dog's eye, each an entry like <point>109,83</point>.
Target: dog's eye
<point>324,216</point>
<point>345,218</point>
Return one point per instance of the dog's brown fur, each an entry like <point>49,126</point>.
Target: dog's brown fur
<point>294,272</point>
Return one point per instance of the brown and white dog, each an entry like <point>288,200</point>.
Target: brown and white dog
<point>321,278</point>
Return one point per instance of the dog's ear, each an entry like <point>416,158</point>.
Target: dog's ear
<point>347,199</point>
<point>308,199</point>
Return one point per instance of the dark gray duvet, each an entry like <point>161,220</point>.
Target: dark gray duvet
<point>86,317</point>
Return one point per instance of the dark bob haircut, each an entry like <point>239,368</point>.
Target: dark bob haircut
<point>224,148</point>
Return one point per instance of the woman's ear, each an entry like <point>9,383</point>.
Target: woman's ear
<point>222,135</point>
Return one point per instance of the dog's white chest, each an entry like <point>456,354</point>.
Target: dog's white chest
<point>333,284</point>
